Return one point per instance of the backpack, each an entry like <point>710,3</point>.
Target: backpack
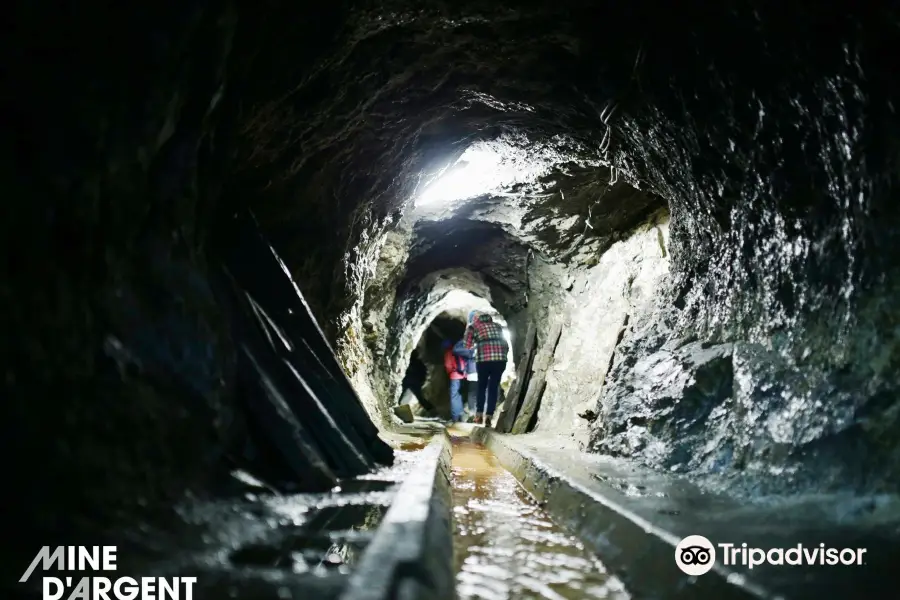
<point>460,364</point>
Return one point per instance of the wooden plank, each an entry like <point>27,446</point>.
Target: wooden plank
<point>526,416</point>
<point>538,382</point>
<point>258,271</point>
<point>293,441</point>
<point>523,372</point>
<point>284,385</point>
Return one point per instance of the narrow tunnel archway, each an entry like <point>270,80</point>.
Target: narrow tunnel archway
<point>426,360</point>
<point>433,393</point>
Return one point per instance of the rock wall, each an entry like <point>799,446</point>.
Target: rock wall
<point>591,303</point>
<point>119,374</point>
<point>782,270</point>
<point>428,265</point>
<point>767,383</point>
<point>364,347</point>
<point>705,382</point>
<point>752,414</point>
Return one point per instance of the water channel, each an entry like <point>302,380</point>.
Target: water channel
<point>506,546</point>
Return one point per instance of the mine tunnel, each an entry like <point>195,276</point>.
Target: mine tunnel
<point>237,235</point>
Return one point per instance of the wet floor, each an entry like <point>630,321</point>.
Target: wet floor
<point>506,546</point>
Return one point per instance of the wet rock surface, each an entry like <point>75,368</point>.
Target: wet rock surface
<point>767,421</point>
<point>249,540</point>
<point>663,405</point>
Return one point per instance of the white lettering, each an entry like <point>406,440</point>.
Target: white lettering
<point>757,557</point>
<point>102,585</point>
<point>750,557</point>
<point>168,592</point>
<point>109,558</point>
<point>189,586</point>
<point>48,561</point>
<point>81,589</point>
<point>88,558</point>
<point>848,556</point>
<point>48,595</point>
<point>725,548</point>
<point>129,593</point>
<point>794,552</point>
<point>72,565</point>
<point>147,588</point>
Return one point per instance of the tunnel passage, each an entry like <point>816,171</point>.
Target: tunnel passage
<point>435,390</point>
<point>451,265</point>
<point>426,362</point>
<point>710,195</point>
<point>413,381</point>
<point>484,248</point>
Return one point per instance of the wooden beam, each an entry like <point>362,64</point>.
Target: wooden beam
<point>538,382</point>
<point>523,373</point>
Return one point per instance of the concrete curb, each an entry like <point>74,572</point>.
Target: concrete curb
<point>409,557</point>
<point>638,552</point>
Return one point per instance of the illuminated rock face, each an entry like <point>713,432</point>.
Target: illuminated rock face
<point>596,312</point>
<point>768,131</point>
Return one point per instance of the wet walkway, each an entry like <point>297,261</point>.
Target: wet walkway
<point>506,546</point>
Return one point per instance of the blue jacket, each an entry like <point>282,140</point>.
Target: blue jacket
<point>460,350</point>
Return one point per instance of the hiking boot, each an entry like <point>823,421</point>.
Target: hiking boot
<point>478,419</point>
<point>487,421</point>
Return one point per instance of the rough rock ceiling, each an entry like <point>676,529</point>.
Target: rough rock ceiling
<point>671,97</point>
<point>322,117</point>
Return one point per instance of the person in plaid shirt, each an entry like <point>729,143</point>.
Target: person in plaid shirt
<point>491,348</point>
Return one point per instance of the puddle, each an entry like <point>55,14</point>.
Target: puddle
<point>331,541</point>
<point>348,516</point>
<point>319,556</point>
<point>412,446</point>
<point>506,546</point>
<point>406,455</point>
<point>363,486</point>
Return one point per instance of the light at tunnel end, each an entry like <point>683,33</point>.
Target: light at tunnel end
<point>483,168</point>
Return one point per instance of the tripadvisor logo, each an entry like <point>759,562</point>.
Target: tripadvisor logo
<point>696,555</point>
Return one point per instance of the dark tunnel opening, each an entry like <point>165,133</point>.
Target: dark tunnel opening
<point>436,389</point>
<point>236,233</point>
<point>414,379</point>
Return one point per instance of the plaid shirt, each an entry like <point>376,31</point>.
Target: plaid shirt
<point>487,339</point>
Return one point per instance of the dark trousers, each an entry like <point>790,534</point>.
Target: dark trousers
<point>472,395</point>
<point>489,373</point>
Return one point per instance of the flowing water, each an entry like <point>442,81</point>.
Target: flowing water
<point>506,546</point>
